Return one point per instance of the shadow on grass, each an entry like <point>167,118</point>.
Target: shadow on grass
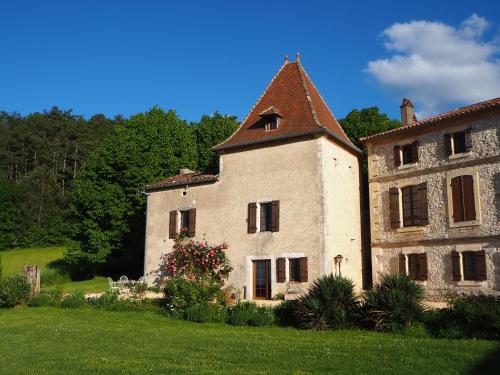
<point>488,365</point>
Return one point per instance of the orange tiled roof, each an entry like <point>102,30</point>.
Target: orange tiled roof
<point>441,118</point>
<point>183,179</point>
<point>293,96</point>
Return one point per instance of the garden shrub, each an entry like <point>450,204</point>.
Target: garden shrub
<point>393,304</point>
<point>181,293</point>
<point>139,290</point>
<point>75,300</point>
<point>264,316</point>
<point>42,300</point>
<point>206,313</point>
<point>285,313</point>
<point>468,316</point>
<point>241,313</point>
<point>14,290</point>
<point>329,304</point>
<point>109,301</point>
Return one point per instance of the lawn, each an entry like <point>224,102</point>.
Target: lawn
<point>58,341</point>
<point>14,260</point>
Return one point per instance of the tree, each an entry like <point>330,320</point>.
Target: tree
<point>362,123</point>
<point>109,209</point>
<point>210,131</point>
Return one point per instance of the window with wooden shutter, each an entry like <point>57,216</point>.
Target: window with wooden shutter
<point>468,139</point>
<point>192,223</point>
<point>413,266</point>
<point>462,191</point>
<point>397,156</point>
<point>294,269</point>
<point>423,204</point>
<point>281,270</point>
<point>447,145</point>
<point>422,266</point>
<point>394,208</point>
<point>252,217</point>
<point>303,269</point>
<point>402,264</point>
<point>468,264</point>
<point>411,208</point>
<point>455,266</point>
<point>275,216</point>
<point>172,227</point>
<point>414,152</point>
<point>184,220</point>
<point>266,217</point>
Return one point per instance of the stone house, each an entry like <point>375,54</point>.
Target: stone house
<point>434,189</point>
<point>286,199</point>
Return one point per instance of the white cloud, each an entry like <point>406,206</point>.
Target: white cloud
<point>436,65</point>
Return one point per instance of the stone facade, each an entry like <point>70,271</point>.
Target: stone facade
<point>441,235</point>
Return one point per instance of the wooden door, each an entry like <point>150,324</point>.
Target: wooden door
<point>262,279</point>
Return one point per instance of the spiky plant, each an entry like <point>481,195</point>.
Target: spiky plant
<point>393,304</point>
<point>330,303</point>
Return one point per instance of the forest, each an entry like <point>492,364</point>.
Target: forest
<point>65,179</point>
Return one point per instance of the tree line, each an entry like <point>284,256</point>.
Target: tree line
<point>69,180</point>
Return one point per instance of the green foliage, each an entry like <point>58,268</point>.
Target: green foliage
<point>139,290</point>
<point>285,313</point>
<point>210,131</point>
<point>43,300</point>
<point>109,301</point>
<point>468,316</point>
<point>74,300</point>
<point>330,303</point>
<point>14,290</point>
<point>1,267</point>
<point>394,304</point>
<point>206,313</point>
<point>108,207</point>
<point>362,123</point>
<point>180,293</point>
<point>248,313</point>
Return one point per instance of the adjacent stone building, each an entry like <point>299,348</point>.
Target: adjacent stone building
<point>434,189</point>
<point>286,198</point>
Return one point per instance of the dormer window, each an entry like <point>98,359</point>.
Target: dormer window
<point>271,118</point>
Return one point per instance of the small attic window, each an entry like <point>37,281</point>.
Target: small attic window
<point>272,123</point>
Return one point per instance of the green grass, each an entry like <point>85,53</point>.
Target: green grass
<point>58,341</point>
<point>14,260</point>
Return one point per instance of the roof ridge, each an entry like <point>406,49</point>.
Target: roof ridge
<point>255,105</point>
<point>308,95</point>
<point>324,102</point>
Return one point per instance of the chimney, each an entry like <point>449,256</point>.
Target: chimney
<point>185,171</point>
<point>407,112</point>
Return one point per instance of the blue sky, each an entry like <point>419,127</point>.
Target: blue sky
<point>197,57</point>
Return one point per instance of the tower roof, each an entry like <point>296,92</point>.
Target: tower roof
<point>293,97</point>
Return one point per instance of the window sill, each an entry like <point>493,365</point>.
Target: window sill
<point>465,224</point>
<point>459,156</point>
<point>414,229</point>
<point>407,166</point>
<point>470,283</point>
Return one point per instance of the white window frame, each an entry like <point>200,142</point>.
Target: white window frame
<point>452,141</point>
<point>409,165</point>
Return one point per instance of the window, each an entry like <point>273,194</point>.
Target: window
<point>462,194</point>
<point>410,206</point>
<point>406,154</point>
<point>294,269</point>
<point>458,143</point>
<point>265,217</point>
<point>272,124</point>
<point>184,219</point>
<point>417,265</point>
<point>469,265</point>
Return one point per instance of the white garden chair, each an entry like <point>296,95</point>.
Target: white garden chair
<point>123,281</point>
<point>114,286</point>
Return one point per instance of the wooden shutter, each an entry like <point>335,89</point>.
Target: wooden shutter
<point>394,207</point>
<point>275,216</point>
<point>457,199</point>
<point>468,139</point>
<point>455,265</point>
<point>397,156</point>
<point>192,222</point>
<point>468,198</point>
<point>480,265</point>
<point>423,209</point>
<point>172,228</point>
<point>422,266</point>
<point>414,152</point>
<point>402,264</point>
<point>280,270</point>
<point>252,217</point>
<point>447,144</point>
<point>303,269</point>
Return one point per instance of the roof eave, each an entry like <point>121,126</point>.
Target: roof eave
<point>177,184</point>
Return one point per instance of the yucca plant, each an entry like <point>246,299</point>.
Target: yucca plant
<point>330,303</point>
<point>393,304</point>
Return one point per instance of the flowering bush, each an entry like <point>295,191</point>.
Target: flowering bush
<point>196,260</point>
